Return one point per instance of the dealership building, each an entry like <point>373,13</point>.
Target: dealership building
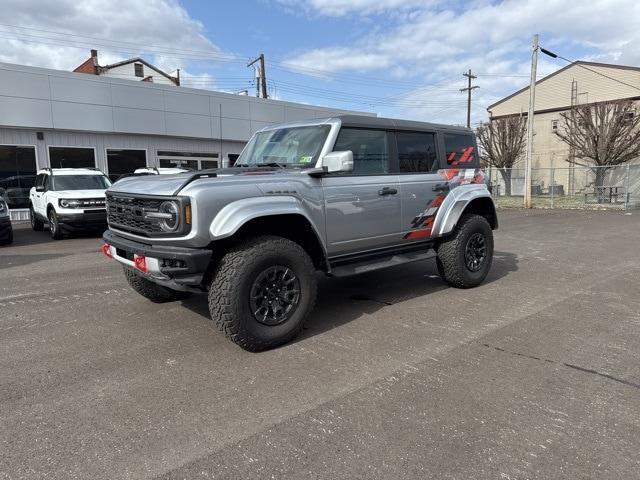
<point>53,118</point>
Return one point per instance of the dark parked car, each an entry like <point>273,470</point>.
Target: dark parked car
<point>6,230</point>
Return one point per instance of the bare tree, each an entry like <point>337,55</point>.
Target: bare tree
<point>503,143</point>
<point>601,136</point>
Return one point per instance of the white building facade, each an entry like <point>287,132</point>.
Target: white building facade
<point>579,83</point>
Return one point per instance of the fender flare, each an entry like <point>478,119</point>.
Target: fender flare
<point>234,215</point>
<point>454,205</point>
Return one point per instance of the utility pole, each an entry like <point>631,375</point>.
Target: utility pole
<point>468,90</point>
<point>572,165</point>
<point>263,75</point>
<point>532,101</point>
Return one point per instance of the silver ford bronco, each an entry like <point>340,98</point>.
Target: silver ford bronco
<point>343,195</point>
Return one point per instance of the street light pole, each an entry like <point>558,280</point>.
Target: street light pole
<point>530,115</point>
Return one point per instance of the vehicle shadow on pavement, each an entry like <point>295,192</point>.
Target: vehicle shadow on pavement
<point>23,235</point>
<point>342,300</point>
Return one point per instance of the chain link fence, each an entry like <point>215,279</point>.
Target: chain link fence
<point>616,188</point>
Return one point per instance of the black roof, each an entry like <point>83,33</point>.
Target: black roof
<point>379,122</point>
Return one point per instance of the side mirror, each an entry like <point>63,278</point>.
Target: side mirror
<point>338,161</point>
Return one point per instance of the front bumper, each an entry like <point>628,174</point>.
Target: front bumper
<point>5,228</point>
<point>178,268</point>
<point>81,221</point>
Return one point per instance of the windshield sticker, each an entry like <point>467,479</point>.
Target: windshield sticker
<point>306,159</point>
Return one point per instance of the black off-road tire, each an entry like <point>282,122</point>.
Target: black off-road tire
<point>235,274</point>
<point>451,252</point>
<point>36,224</point>
<point>152,291</point>
<point>54,226</point>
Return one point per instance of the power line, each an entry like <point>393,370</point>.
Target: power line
<point>113,42</point>
<point>178,53</point>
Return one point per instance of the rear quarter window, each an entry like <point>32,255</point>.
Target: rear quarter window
<point>460,150</point>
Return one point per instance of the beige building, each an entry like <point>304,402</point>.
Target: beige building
<point>577,83</point>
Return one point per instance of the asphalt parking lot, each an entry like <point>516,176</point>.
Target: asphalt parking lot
<point>535,374</point>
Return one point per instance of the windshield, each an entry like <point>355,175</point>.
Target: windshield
<point>80,182</point>
<point>286,147</point>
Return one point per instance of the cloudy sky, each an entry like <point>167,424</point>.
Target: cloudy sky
<point>399,58</point>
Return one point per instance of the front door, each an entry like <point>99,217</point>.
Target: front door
<point>42,180</point>
<point>422,190</point>
<point>363,206</point>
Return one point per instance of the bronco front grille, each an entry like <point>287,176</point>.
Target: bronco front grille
<point>127,213</point>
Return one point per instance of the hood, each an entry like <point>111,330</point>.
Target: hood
<point>171,184</point>
<point>78,194</point>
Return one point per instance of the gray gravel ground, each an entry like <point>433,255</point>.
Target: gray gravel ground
<point>535,374</point>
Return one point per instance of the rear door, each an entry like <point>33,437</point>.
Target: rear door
<point>363,206</point>
<point>422,189</point>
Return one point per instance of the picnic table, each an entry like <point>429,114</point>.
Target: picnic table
<point>608,193</point>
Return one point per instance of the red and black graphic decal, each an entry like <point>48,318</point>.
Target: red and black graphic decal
<point>422,224</point>
<point>466,156</point>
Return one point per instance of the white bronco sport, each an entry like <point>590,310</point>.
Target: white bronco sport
<point>68,199</point>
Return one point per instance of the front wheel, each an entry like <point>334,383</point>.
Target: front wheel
<point>262,291</point>
<point>36,224</point>
<point>464,258</point>
<point>54,226</point>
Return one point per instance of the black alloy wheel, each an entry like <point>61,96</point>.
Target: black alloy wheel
<point>274,295</point>
<point>475,252</point>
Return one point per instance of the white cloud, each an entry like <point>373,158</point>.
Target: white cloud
<point>118,29</point>
<point>337,8</point>
<point>438,41</point>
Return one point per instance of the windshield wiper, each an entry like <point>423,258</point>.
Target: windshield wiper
<point>270,164</point>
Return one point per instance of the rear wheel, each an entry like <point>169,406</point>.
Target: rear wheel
<point>8,240</point>
<point>152,291</point>
<point>262,291</point>
<point>464,258</point>
<point>36,224</point>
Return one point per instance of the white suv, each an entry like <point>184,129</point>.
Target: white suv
<point>68,199</point>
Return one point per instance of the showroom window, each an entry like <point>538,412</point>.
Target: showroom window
<point>188,160</point>
<point>233,157</point>
<point>72,157</point>
<point>17,174</point>
<point>123,162</point>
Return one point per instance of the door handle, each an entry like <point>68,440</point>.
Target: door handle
<point>388,191</point>
<point>441,187</point>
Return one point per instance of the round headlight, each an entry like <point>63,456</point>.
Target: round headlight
<point>169,224</point>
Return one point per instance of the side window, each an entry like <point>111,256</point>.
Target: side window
<point>460,149</point>
<point>46,183</point>
<point>369,147</point>
<point>416,152</point>
<point>40,180</point>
